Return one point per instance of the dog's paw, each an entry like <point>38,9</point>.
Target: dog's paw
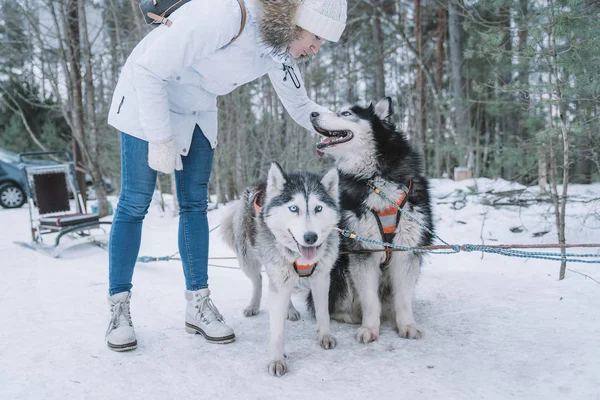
<point>327,342</point>
<point>411,331</point>
<point>366,335</point>
<point>277,367</point>
<point>293,314</point>
<point>251,311</point>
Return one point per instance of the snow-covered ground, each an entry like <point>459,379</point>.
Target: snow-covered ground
<point>495,327</point>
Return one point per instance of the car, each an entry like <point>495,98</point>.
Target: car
<point>12,192</point>
<point>12,186</point>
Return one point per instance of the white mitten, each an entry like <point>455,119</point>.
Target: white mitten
<point>163,157</point>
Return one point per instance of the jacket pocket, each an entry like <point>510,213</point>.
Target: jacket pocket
<point>120,104</point>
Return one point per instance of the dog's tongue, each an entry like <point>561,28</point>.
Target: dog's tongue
<point>308,252</point>
<point>325,140</point>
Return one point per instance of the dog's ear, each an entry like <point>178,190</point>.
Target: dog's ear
<point>275,180</point>
<point>383,109</point>
<point>331,183</point>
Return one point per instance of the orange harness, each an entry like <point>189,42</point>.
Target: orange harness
<point>302,270</point>
<point>389,218</point>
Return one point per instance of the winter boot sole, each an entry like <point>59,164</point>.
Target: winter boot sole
<point>122,347</point>
<point>193,329</point>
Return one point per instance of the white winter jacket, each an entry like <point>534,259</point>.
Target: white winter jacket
<point>172,78</point>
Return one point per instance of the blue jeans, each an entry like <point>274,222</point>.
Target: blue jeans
<point>137,186</point>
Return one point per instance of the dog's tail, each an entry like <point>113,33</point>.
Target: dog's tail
<point>234,222</point>
<point>226,227</point>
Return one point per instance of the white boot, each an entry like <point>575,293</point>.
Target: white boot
<point>120,335</point>
<point>202,316</point>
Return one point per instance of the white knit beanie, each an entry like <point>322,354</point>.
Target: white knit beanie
<point>324,18</point>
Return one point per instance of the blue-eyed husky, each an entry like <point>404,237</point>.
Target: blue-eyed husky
<point>371,155</point>
<point>285,224</point>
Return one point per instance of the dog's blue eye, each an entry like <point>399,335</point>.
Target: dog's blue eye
<point>293,209</point>
<point>318,209</point>
<point>346,113</point>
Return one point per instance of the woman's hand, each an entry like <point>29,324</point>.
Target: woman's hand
<point>163,157</point>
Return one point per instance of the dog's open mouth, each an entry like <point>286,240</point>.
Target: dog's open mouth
<point>332,138</point>
<point>308,252</point>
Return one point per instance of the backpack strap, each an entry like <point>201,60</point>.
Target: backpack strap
<point>153,18</point>
<point>162,19</point>
<point>242,24</point>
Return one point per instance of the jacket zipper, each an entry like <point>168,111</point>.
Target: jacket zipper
<point>120,104</point>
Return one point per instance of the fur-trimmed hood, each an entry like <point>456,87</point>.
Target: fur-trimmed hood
<point>276,22</point>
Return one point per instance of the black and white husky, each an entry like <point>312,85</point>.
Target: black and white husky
<point>286,225</point>
<point>371,155</point>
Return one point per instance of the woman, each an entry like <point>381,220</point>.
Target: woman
<point>165,107</point>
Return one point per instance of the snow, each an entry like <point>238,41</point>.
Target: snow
<point>495,327</point>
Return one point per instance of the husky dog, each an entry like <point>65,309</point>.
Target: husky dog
<point>371,155</point>
<point>286,225</point>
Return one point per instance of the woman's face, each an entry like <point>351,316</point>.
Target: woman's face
<point>305,45</point>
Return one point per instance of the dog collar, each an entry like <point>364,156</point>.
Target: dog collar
<point>304,271</point>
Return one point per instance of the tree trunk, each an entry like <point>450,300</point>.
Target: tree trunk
<point>462,124</point>
<point>137,18</point>
<point>562,111</point>
<point>439,81</point>
<point>420,90</point>
<point>508,120</point>
<point>566,163</point>
<point>115,48</point>
<point>542,151</point>
<point>77,113</point>
<point>174,194</point>
<point>378,63</point>
<point>91,128</point>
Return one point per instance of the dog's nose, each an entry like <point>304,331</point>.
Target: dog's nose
<point>314,114</point>
<point>310,237</point>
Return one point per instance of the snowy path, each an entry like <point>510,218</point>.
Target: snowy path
<point>494,328</point>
